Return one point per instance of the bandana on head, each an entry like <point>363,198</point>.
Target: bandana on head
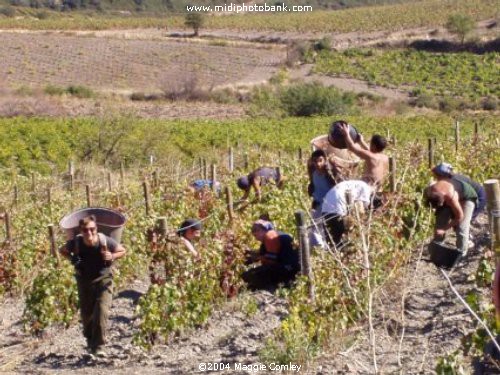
<point>443,169</point>
<point>264,224</point>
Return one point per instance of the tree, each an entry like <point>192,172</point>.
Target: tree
<point>195,21</point>
<point>460,25</point>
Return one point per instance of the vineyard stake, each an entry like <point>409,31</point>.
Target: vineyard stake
<point>155,179</point>
<point>16,195</point>
<point>87,194</point>
<point>229,201</point>
<point>457,135</point>
<point>392,175</point>
<point>205,170</point>
<point>245,161</point>
<point>305,256</point>
<point>71,181</point>
<point>33,182</point>
<point>49,200</point>
<point>214,178</point>
<point>300,155</point>
<point>200,160</point>
<point>122,173</point>
<point>147,202</point>
<point>52,239</point>
<point>431,152</point>
<point>476,133</point>
<point>394,141</point>
<point>71,167</point>
<point>161,225</point>
<point>231,160</point>
<point>492,188</point>
<point>110,182</point>
<point>8,233</point>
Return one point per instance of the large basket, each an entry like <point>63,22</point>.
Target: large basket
<point>343,157</point>
<point>443,256</point>
<point>109,222</point>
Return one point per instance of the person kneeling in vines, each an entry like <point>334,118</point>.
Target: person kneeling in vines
<point>277,255</point>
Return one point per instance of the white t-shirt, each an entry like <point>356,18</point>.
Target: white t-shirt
<point>335,201</point>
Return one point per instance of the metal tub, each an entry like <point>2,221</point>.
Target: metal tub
<point>109,222</point>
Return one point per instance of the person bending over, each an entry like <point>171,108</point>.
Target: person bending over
<point>277,255</point>
<point>258,178</point>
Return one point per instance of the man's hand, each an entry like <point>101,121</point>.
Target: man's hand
<point>344,128</point>
<point>439,234</point>
<point>107,255</point>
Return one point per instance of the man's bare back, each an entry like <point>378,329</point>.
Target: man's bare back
<point>376,168</point>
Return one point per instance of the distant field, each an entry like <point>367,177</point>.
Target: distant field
<point>386,17</point>
<point>39,60</point>
<point>444,74</point>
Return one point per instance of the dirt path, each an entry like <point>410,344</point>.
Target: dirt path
<point>432,320</point>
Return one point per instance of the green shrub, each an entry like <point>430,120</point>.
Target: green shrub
<point>490,104</point>
<point>460,25</point>
<point>7,11</point>
<point>53,90</point>
<point>80,92</point>
<point>309,99</point>
<point>324,44</point>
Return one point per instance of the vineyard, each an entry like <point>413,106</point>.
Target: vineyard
<point>386,17</point>
<point>54,62</point>
<point>113,169</point>
<point>462,75</point>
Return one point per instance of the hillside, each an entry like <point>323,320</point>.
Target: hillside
<point>162,6</point>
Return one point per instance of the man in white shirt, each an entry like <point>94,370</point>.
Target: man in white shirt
<point>335,208</point>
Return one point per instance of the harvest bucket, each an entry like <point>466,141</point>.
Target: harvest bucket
<point>109,222</point>
<point>444,256</point>
<point>336,138</point>
<point>343,157</point>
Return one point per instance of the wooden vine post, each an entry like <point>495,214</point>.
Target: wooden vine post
<point>304,253</point>
<point>492,188</point>
<point>245,161</point>
<point>476,133</point>
<point>49,199</point>
<point>33,182</point>
<point>110,182</point>
<point>16,195</point>
<point>8,228</point>
<point>230,162</point>
<point>213,176</point>
<point>147,202</point>
<point>229,201</point>
<point>88,195</point>
<point>161,225</point>
<point>392,175</point>
<point>52,239</point>
<point>457,136</point>
<point>300,155</point>
<point>122,173</point>
<point>431,152</point>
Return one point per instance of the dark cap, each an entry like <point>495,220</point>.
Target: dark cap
<point>187,224</point>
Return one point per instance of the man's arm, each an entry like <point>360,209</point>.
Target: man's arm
<point>363,143</point>
<point>63,250</point>
<point>451,200</point>
<point>354,147</point>
<point>256,186</point>
<point>115,250</point>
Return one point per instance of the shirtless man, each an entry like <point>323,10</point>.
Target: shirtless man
<point>454,202</point>
<point>376,162</point>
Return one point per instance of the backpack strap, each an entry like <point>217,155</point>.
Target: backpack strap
<point>76,249</point>
<point>103,241</point>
